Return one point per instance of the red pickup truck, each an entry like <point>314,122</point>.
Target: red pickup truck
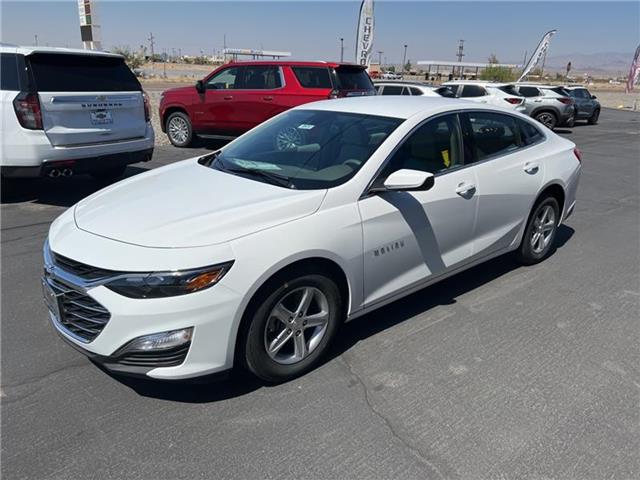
<point>238,96</point>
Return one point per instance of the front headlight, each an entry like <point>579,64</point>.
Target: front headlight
<point>168,284</point>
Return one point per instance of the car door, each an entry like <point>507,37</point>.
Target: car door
<point>411,236</point>
<point>583,102</point>
<point>257,95</point>
<point>508,173</point>
<point>217,112</point>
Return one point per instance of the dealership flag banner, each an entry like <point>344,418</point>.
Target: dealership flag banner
<point>364,39</point>
<point>541,50</point>
<point>634,72</point>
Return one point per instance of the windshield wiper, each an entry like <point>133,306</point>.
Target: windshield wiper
<point>274,178</point>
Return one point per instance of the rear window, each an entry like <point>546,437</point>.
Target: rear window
<point>473,91</point>
<point>509,90</point>
<point>9,79</point>
<point>392,90</point>
<point>348,78</point>
<point>416,91</point>
<point>313,77</point>
<point>54,72</point>
<point>529,92</point>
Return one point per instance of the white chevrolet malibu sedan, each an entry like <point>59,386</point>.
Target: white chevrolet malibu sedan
<point>256,254</point>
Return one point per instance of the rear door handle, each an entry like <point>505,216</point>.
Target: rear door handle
<point>465,189</point>
<point>531,167</point>
<point>267,99</point>
<point>228,97</point>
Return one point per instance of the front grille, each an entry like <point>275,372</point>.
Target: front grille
<point>158,358</point>
<point>82,270</point>
<point>79,313</point>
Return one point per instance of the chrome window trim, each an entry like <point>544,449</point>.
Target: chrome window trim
<point>280,71</point>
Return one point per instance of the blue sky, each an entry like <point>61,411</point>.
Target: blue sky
<point>311,30</point>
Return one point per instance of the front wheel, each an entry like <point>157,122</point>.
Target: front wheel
<point>291,328</point>
<point>593,119</point>
<point>179,129</point>
<point>548,119</point>
<point>537,242</point>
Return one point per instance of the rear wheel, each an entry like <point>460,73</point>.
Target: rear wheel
<point>537,242</point>
<point>548,119</point>
<point>109,174</point>
<point>179,129</point>
<point>593,119</point>
<point>292,326</point>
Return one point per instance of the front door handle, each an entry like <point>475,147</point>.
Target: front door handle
<point>466,189</point>
<point>267,99</point>
<point>531,167</point>
<point>228,97</point>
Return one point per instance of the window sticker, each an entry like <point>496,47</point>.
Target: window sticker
<point>305,126</point>
<point>257,165</point>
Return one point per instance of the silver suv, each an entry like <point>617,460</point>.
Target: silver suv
<point>548,104</point>
<point>587,107</point>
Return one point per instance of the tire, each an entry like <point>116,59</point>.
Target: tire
<point>179,129</point>
<point>109,174</point>
<point>537,241</point>
<point>548,119</point>
<point>593,119</point>
<point>571,122</point>
<point>296,345</point>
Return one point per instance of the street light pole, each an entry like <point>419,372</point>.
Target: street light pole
<point>380,52</point>
<point>341,50</point>
<point>404,58</point>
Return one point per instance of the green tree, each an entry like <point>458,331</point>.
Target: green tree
<point>497,74</point>
<point>407,66</point>
<point>132,60</point>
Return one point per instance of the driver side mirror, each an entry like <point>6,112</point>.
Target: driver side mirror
<point>409,180</point>
<point>593,97</point>
<point>200,86</point>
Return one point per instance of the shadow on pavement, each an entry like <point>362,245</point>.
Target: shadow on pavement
<point>443,293</point>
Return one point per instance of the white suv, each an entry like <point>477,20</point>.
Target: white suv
<point>69,111</point>
<point>492,93</point>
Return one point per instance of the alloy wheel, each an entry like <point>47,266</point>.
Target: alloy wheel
<point>547,119</point>
<point>178,130</point>
<point>296,325</point>
<point>543,227</point>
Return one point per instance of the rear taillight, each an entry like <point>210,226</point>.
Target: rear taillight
<point>514,101</point>
<point>565,100</point>
<point>27,107</point>
<point>334,94</point>
<point>578,154</point>
<point>147,107</point>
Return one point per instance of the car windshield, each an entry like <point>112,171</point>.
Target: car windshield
<point>306,149</point>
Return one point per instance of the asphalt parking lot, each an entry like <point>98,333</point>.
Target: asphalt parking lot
<point>501,372</point>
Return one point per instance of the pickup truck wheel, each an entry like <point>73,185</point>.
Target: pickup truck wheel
<point>291,327</point>
<point>593,119</point>
<point>548,119</point>
<point>179,130</point>
<point>108,174</point>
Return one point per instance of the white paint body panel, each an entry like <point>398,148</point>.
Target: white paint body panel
<point>186,216</point>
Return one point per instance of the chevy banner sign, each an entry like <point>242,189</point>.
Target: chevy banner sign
<point>364,39</point>
<point>634,71</point>
<point>541,50</point>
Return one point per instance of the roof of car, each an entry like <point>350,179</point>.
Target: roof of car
<point>477,82</point>
<point>25,50</point>
<point>391,106</point>
<point>402,82</point>
<point>296,63</point>
<point>537,85</point>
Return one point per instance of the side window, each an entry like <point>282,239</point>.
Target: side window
<point>259,77</point>
<point>446,92</point>
<point>406,91</point>
<point>313,77</point>
<point>9,72</point>
<point>530,133</point>
<point>473,91</point>
<point>392,90</point>
<point>416,91</point>
<point>434,147</point>
<point>529,92</point>
<point>494,134</point>
<point>453,89</point>
<point>224,80</point>
<point>378,89</point>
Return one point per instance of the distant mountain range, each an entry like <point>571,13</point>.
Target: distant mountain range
<point>605,62</point>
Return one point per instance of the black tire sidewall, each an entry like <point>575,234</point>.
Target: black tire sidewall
<point>526,253</point>
<point>255,357</point>
<point>555,119</point>
<point>593,119</point>
<point>186,118</point>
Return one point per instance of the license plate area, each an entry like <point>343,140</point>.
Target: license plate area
<point>51,299</point>
<point>101,117</point>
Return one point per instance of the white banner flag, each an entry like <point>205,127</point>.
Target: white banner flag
<point>364,39</point>
<point>538,54</point>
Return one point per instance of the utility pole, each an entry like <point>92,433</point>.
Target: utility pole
<point>404,58</point>
<point>460,54</point>
<point>151,44</point>
<point>380,52</point>
<point>341,49</point>
<point>164,64</point>
<point>36,35</point>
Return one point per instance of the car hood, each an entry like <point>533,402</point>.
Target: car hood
<point>179,90</point>
<point>189,205</point>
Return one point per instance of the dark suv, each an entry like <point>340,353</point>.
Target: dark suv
<point>587,107</point>
<point>238,96</point>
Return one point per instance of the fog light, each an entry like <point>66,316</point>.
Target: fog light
<point>158,341</point>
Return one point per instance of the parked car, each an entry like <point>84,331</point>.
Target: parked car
<point>548,104</point>
<point>70,111</point>
<point>254,254</point>
<point>498,94</point>
<point>405,88</point>
<point>587,105</point>
<point>391,76</point>
<point>236,97</point>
